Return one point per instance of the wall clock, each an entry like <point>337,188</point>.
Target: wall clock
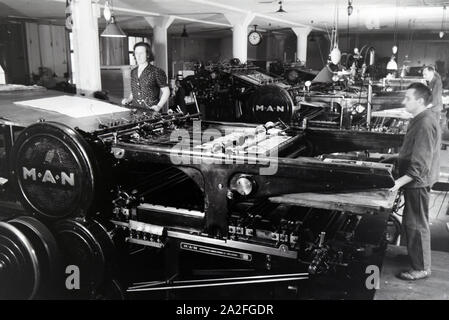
<point>255,37</point>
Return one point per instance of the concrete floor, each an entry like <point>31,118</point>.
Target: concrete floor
<point>439,206</point>
<point>437,286</point>
<point>434,288</point>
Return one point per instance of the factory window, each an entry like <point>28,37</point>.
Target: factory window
<point>131,42</point>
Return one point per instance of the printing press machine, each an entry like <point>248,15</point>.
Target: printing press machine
<point>94,188</point>
<point>251,95</point>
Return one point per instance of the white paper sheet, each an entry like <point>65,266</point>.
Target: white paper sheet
<point>399,113</point>
<point>73,106</point>
<point>18,87</point>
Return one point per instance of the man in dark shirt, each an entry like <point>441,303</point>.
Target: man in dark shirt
<point>419,170</point>
<point>180,94</point>
<point>436,86</point>
<point>149,87</point>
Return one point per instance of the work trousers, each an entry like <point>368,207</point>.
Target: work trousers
<point>416,226</point>
<point>441,117</point>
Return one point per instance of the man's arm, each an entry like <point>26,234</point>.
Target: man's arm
<point>402,181</point>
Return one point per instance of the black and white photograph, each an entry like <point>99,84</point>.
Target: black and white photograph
<point>224,158</point>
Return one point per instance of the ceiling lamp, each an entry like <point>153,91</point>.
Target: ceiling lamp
<point>335,55</point>
<point>113,30</point>
<point>350,7</point>
<point>441,34</point>
<point>107,11</point>
<point>280,10</point>
<point>184,33</point>
<point>394,49</point>
<point>392,65</point>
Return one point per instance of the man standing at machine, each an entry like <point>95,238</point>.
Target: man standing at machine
<point>436,87</point>
<point>149,87</point>
<point>418,165</point>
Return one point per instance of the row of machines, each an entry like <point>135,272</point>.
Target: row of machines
<point>94,189</point>
<point>332,100</point>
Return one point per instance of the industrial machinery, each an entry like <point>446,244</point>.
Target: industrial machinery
<point>334,102</point>
<point>95,188</point>
<point>294,72</point>
<point>223,89</point>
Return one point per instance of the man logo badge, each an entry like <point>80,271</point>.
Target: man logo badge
<point>47,176</point>
<point>270,108</point>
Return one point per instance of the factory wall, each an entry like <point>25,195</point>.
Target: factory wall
<point>45,45</point>
<point>422,50</point>
<point>317,51</point>
<point>273,47</point>
<point>182,52</point>
<point>13,54</point>
<point>113,51</point>
<point>226,48</point>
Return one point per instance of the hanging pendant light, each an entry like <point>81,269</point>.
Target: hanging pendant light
<point>184,33</point>
<point>113,30</point>
<point>350,7</point>
<point>392,65</point>
<point>394,49</point>
<point>443,21</point>
<point>280,10</point>
<point>107,11</point>
<point>335,55</point>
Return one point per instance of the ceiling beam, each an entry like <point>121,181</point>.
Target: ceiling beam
<point>291,23</point>
<point>227,25</point>
<point>264,16</point>
<point>133,11</point>
<point>219,5</point>
<point>156,14</point>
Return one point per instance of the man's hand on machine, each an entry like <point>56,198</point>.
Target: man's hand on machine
<point>399,183</point>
